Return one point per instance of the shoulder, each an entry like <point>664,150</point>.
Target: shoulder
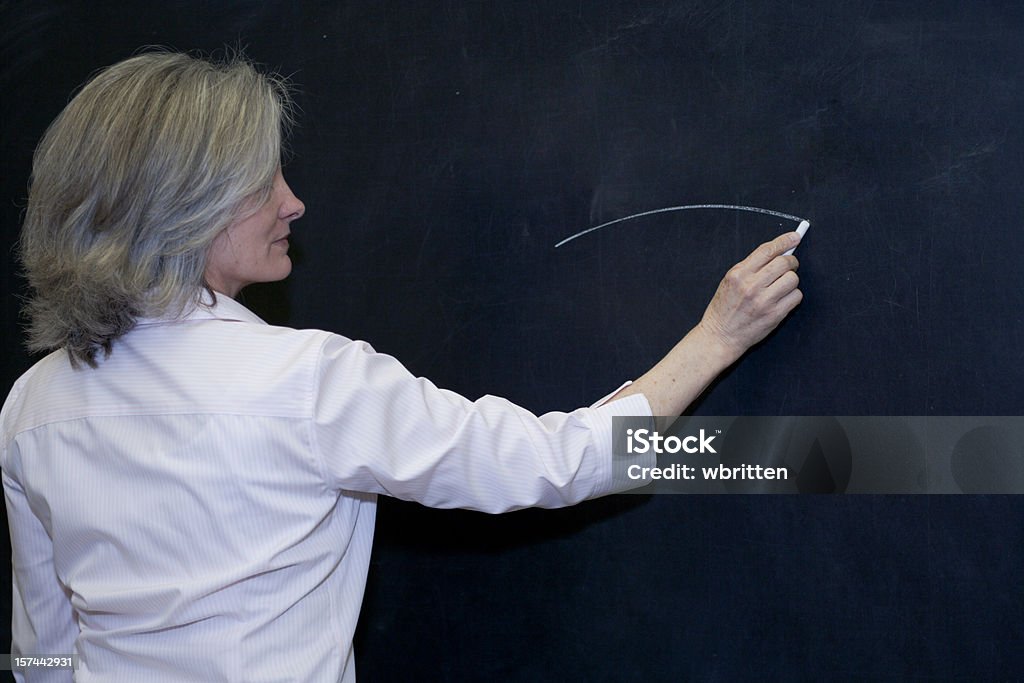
<point>40,374</point>
<point>228,364</point>
<point>209,366</point>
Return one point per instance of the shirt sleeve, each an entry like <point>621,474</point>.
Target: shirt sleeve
<point>42,618</point>
<point>379,429</point>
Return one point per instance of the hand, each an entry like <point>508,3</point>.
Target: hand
<point>754,296</point>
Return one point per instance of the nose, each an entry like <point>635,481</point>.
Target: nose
<point>298,209</point>
<point>292,207</point>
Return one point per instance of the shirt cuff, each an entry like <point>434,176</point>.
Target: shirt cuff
<point>613,478</point>
<point>604,400</point>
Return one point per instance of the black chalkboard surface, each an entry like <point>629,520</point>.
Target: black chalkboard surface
<point>444,148</point>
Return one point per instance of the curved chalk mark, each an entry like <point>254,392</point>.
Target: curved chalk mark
<point>753,209</point>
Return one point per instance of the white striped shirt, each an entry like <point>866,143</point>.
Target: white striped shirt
<point>201,506</point>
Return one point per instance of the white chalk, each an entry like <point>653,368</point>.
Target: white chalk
<point>801,230</point>
<point>753,209</point>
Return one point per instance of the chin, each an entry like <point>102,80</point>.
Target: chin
<point>274,276</point>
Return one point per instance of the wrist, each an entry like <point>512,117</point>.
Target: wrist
<point>716,351</point>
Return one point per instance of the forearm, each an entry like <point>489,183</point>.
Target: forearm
<point>683,374</point>
<point>752,299</point>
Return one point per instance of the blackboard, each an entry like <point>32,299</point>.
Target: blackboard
<point>444,148</point>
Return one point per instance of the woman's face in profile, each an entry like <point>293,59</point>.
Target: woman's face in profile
<point>255,248</point>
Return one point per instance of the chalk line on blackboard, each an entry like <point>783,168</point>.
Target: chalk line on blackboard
<point>682,208</point>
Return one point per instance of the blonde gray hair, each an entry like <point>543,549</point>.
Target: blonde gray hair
<point>131,183</point>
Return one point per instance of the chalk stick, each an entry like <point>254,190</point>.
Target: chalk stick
<point>801,230</point>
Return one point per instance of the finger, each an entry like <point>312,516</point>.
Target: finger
<point>776,268</point>
<point>767,252</point>
<point>783,286</point>
<point>787,303</point>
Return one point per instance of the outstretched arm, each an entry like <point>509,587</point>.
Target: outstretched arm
<point>752,299</point>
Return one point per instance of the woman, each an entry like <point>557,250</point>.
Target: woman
<point>191,492</point>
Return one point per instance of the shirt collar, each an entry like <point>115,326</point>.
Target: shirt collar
<point>223,307</point>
